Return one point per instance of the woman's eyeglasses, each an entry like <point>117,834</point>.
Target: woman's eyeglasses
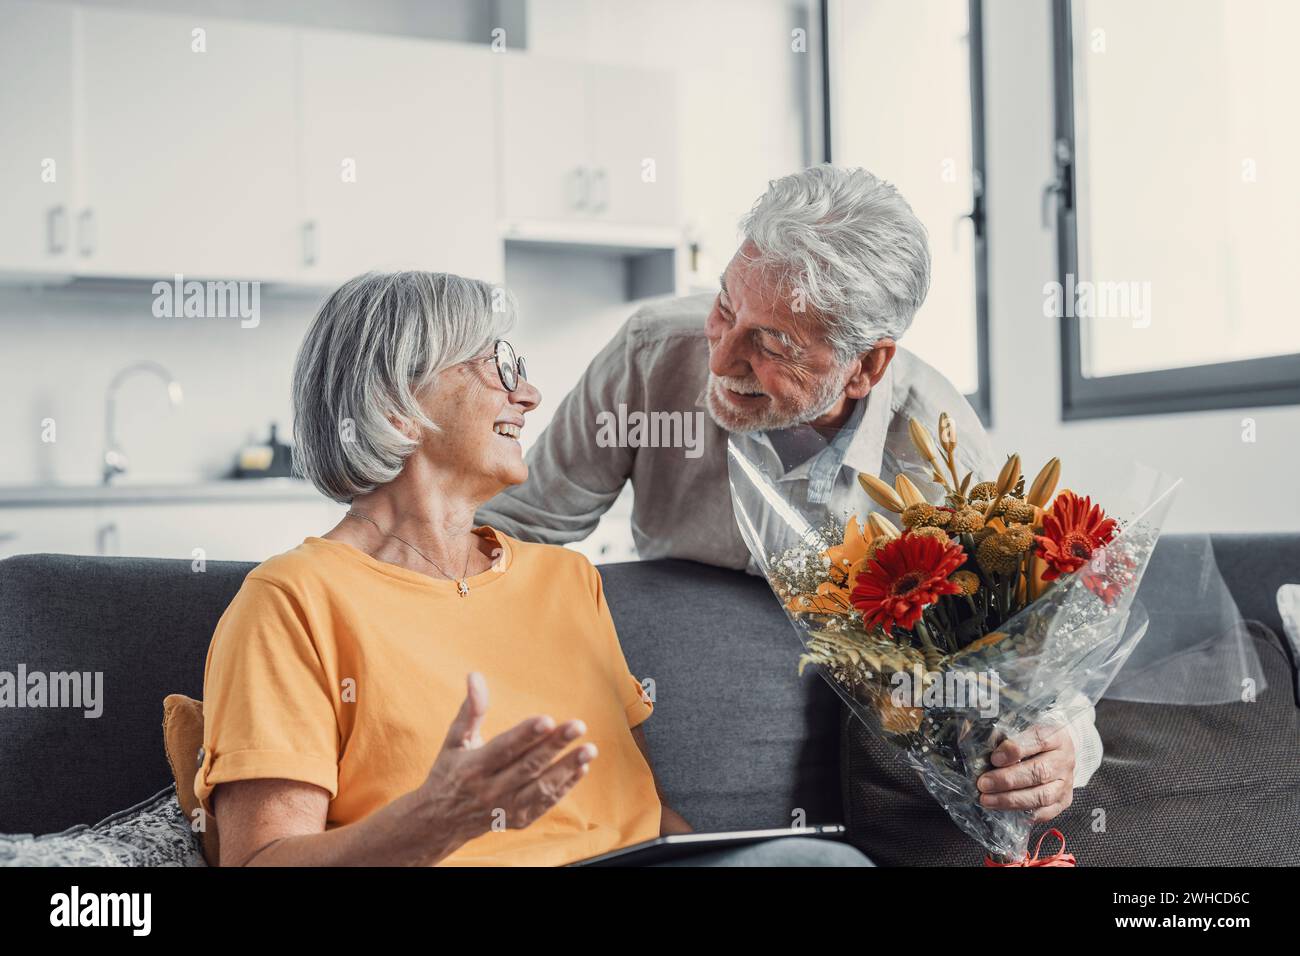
<point>510,367</point>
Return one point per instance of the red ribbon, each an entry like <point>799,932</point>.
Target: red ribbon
<point>1059,858</point>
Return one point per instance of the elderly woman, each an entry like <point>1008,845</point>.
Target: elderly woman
<point>347,685</point>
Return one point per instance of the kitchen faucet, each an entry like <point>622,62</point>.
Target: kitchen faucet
<point>114,459</point>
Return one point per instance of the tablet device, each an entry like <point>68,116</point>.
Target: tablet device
<point>679,845</point>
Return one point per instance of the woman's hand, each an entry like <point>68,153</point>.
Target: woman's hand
<point>508,782</point>
<point>1037,773</point>
<point>473,788</point>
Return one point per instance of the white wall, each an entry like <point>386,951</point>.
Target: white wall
<point>469,21</point>
<point>60,348</point>
<point>1229,485</point>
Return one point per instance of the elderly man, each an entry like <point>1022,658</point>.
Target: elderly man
<point>796,358</point>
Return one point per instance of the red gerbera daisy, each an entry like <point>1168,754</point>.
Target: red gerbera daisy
<point>906,575</point>
<point>1108,579</point>
<point>1072,530</point>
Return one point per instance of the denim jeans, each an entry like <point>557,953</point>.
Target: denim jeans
<point>787,851</point>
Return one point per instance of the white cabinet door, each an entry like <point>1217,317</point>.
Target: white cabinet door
<point>634,151</point>
<point>189,154</point>
<point>36,142</point>
<point>234,531</point>
<point>53,530</point>
<point>398,157</point>
<point>546,138</point>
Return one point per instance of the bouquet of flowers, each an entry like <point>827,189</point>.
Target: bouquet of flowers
<point>950,625</point>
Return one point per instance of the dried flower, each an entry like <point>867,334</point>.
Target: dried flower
<point>1018,512</point>
<point>925,516</point>
<point>908,492</point>
<point>898,720</point>
<point>881,493</point>
<point>1009,475</point>
<point>880,526</point>
<point>965,521</point>
<point>968,582</point>
<point>921,439</point>
<point>1040,492</point>
<point>947,434</point>
<point>1000,553</point>
<point>986,490</point>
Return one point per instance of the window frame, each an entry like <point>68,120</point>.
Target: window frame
<point>1239,383</point>
<point>981,399</point>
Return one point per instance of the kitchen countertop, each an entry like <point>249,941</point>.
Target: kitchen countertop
<point>232,490</point>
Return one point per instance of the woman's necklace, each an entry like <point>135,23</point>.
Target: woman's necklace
<point>462,586</point>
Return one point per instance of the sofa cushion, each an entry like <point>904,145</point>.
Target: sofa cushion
<point>737,738</point>
<point>1179,785</point>
<point>144,625</point>
<point>183,742</point>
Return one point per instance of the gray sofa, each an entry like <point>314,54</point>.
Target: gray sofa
<point>737,738</point>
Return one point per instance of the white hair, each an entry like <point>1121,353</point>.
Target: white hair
<point>374,346</point>
<point>848,246</point>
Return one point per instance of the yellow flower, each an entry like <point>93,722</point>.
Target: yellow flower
<point>1018,512</point>
<point>1000,552</point>
<point>965,521</point>
<point>968,581</point>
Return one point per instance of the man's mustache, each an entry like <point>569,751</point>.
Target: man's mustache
<point>748,385</point>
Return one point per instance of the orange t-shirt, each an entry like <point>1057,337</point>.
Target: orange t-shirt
<point>337,669</point>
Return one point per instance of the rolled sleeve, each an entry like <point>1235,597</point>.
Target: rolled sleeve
<point>268,702</point>
<point>1079,717</point>
<point>639,707</point>
<point>637,704</point>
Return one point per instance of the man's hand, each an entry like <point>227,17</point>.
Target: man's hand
<point>1036,775</point>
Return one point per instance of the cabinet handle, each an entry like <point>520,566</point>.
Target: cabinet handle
<point>1060,191</point>
<point>86,232</point>
<point>310,243</point>
<point>579,188</point>
<point>56,230</point>
<point>601,191</point>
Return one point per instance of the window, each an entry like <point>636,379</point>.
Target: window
<point>1176,200</point>
<point>904,91</point>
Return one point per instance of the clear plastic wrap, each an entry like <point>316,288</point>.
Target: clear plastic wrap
<point>974,667</point>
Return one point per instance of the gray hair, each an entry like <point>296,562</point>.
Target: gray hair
<point>374,346</point>
<point>849,246</point>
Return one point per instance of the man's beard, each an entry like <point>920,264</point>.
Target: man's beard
<point>770,416</point>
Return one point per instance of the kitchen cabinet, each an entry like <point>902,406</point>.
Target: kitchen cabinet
<point>188,147</point>
<point>220,149</point>
<point>576,138</point>
<point>398,157</point>
<point>63,530</point>
<point>634,145</point>
<point>227,528</point>
<point>243,531</point>
<point>37,166</point>
<point>544,138</point>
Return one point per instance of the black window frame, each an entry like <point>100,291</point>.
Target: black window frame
<point>981,400</point>
<point>1244,383</point>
